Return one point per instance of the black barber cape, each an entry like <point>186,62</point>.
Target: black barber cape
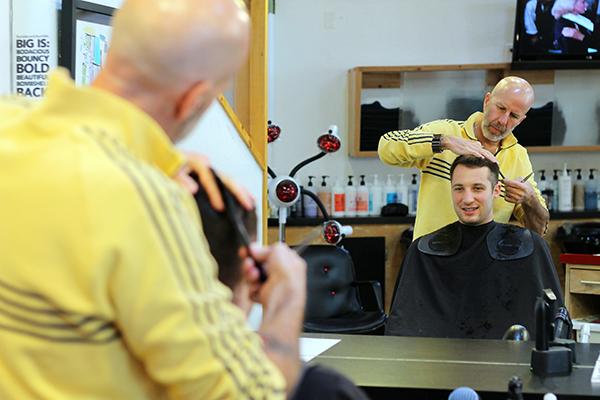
<point>472,282</point>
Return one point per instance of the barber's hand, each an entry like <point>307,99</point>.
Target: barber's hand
<point>286,277</point>
<point>460,146</point>
<point>283,296</point>
<point>518,192</point>
<point>201,166</point>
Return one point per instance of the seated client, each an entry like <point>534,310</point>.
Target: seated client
<point>473,278</point>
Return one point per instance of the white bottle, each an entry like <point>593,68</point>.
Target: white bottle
<point>350,198</point>
<point>389,191</point>
<point>310,206</point>
<point>362,198</point>
<point>413,193</point>
<point>338,197</point>
<point>402,191</point>
<point>376,194</point>
<point>565,191</point>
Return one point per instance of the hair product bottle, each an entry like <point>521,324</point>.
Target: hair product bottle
<point>324,194</point>
<point>565,191</point>
<point>310,206</point>
<point>362,198</point>
<point>376,194</point>
<point>350,198</point>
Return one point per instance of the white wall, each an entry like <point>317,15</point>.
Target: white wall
<point>4,46</point>
<point>316,42</point>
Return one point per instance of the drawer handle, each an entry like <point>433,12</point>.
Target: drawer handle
<point>595,283</point>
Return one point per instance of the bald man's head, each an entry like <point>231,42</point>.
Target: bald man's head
<point>179,42</point>
<point>505,108</point>
<point>171,58</point>
<point>515,87</point>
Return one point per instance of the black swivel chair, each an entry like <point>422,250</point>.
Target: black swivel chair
<point>333,299</point>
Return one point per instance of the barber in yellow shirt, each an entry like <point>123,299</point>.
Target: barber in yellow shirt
<point>107,290</point>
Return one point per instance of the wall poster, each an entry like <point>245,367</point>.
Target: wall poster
<point>34,45</point>
<point>85,37</point>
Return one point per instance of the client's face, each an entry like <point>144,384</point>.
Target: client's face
<point>473,195</point>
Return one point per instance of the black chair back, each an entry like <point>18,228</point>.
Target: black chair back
<point>333,297</point>
<point>330,291</point>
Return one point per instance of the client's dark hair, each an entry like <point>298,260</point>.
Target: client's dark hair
<point>472,162</point>
<point>223,238</point>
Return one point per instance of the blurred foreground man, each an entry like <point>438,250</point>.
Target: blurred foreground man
<point>107,288</point>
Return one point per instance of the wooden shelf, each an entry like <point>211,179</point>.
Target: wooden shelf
<point>392,77</point>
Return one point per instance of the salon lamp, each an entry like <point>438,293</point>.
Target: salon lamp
<point>285,191</point>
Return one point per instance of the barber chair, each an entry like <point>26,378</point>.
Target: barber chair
<point>459,296</point>
<point>334,297</point>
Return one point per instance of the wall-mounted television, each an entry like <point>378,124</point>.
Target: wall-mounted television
<point>557,34</point>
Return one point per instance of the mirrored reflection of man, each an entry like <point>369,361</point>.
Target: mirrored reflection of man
<point>433,146</point>
<point>110,289</point>
<point>473,278</point>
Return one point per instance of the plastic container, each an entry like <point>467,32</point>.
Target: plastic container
<point>324,193</point>
<point>310,206</point>
<point>402,191</point>
<point>579,192</point>
<point>565,191</point>
<point>591,192</point>
<point>362,198</point>
<point>350,198</point>
<point>339,199</point>
<point>390,191</point>
<point>413,192</point>
<point>376,196</point>
<point>554,186</point>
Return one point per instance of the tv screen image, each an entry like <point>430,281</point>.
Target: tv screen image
<point>557,34</point>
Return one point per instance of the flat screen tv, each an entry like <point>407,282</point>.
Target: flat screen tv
<point>557,34</point>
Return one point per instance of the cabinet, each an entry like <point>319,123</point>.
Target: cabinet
<point>362,79</point>
<point>582,284</point>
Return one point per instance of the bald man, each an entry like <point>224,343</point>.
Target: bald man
<point>107,286</point>
<point>432,148</point>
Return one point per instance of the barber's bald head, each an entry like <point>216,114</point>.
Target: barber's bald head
<point>504,108</point>
<point>178,42</point>
<point>515,87</point>
<point>180,52</point>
